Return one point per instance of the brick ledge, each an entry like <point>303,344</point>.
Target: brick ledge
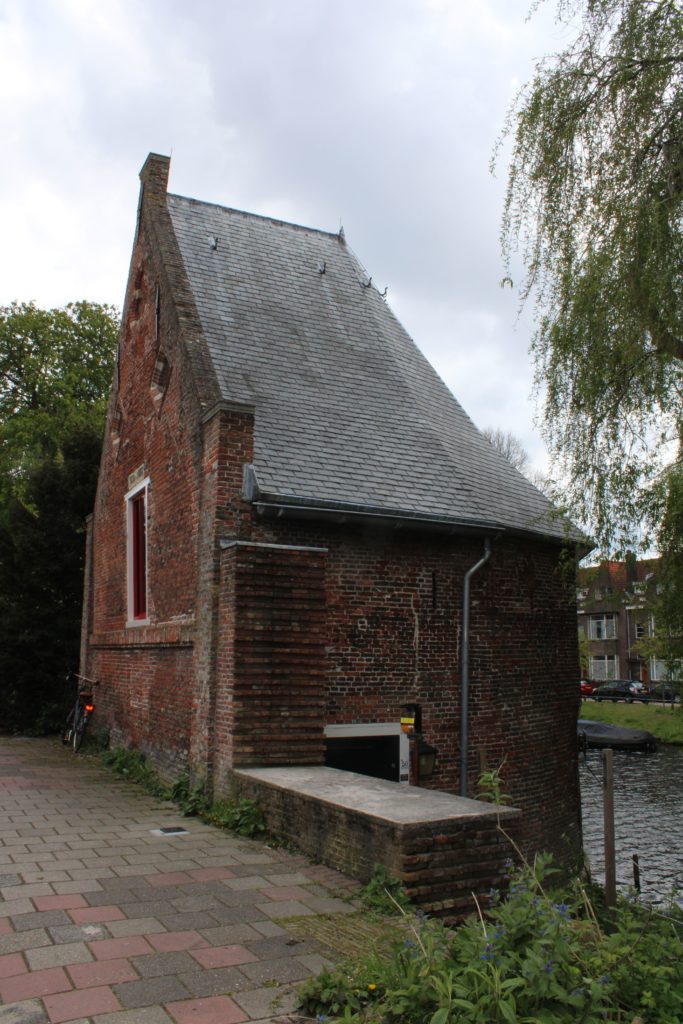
<point>165,634</point>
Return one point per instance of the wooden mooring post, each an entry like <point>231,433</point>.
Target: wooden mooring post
<point>608,815</point>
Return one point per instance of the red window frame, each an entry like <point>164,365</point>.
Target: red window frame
<point>138,521</point>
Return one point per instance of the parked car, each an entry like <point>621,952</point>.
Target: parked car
<point>668,692</point>
<point>622,689</point>
<point>587,688</point>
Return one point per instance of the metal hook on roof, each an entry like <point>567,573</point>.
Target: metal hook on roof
<point>213,242</point>
<point>384,293</point>
<point>367,284</point>
<point>323,268</point>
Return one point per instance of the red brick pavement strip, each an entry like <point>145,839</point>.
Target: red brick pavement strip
<point>69,902</point>
<point>114,949</point>
<point>85,1003</point>
<point>12,964</point>
<point>223,956</point>
<point>214,1010</point>
<point>102,972</point>
<point>174,942</point>
<point>37,983</point>
<point>90,915</point>
<point>5,926</point>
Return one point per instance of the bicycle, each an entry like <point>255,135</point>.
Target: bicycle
<point>79,716</point>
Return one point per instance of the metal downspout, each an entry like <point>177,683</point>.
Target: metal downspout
<point>465,672</point>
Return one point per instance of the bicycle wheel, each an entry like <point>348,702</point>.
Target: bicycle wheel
<point>79,729</point>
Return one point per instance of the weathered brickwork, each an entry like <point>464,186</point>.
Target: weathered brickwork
<point>250,651</point>
<point>440,863</point>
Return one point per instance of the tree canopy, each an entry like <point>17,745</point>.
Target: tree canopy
<point>55,373</point>
<point>595,206</point>
<point>56,368</point>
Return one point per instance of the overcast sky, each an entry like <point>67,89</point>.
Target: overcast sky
<point>380,115</point>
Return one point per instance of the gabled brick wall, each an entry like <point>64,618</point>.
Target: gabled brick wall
<point>357,622</point>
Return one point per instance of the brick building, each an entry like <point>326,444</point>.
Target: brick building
<point>615,602</point>
<point>289,501</point>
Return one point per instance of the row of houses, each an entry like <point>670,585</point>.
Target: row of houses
<point>616,621</point>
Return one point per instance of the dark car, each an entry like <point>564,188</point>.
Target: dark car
<point>669,692</point>
<point>621,689</point>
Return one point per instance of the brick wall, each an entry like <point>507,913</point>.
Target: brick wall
<point>440,863</point>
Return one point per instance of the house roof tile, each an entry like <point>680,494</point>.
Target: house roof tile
<point>348,412</point>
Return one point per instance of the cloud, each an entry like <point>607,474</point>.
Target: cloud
<point>380,114</point>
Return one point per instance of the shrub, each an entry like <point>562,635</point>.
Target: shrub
<point>541,956</point>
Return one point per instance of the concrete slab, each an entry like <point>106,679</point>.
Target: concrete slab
<point>390,802</point>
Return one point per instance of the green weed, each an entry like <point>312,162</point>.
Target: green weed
<point>384,894</point>
<point>542,955</point>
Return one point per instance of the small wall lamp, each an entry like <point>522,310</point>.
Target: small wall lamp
<point>426,757</point>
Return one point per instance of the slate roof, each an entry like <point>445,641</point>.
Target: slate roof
<point>348,412</point>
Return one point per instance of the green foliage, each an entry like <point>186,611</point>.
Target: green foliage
<point>132,765</point>
<point>242,816</point>
<point>41,584</point>
<point>55,372</point>
<point>56,367</point>
<point>191,799</point>
<point>595,204</point>
<point>490,786</point>
<point>384,894</point>
<point>541,956</point>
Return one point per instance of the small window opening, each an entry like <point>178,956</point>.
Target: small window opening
<point>137,554</point>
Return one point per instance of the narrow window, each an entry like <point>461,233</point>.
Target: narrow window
<point>136,513</point>
<point>139,566</point>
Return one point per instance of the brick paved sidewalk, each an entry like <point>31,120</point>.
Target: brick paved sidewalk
<point>102,920</point>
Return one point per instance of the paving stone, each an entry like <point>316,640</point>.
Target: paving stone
<point>113,949</point>
<point>30,1011</point>
<point>269,928</point>
<point>87,915</point>
<point>315,962</point>
<point>283,969</point>
<point>138,926</point>
<point>279,946</point>
<point>9,879</point>
<point>12,964</point>
<point>59,902</point>
<point>183,922</point>
<point>78,933</point>
<point>58,956</point>
<point>329,905</point>
<point>287,878</point>
<point>146,1015</point>
<point>101,972</point>
<point>79,886</point>
<point>223,956</point>
<point>5,926</point>
<point>216,982</point>
<point>157,965</point>
<point>211,873</point>
<point>265,1002</point>
<point>149,908</point>
<point>190,904</point>
<point>246,882</point>
<point>33,984</point>
<point>13,908</point>
<point>171,942</point>
<point>82,1003</point>
<point>150,992</point>
<point>44,919</point>
<point>24,940</point>
<point>226,935</point>
<point>288,908</point>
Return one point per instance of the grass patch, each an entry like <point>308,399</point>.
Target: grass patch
<point>665,723</point>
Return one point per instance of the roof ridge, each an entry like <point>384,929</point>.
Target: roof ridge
<point>255,216</point>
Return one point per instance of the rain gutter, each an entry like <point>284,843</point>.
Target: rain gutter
<point>465,666</point>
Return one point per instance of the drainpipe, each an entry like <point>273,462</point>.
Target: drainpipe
<point>465,673</point>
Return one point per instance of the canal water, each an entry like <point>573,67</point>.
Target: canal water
<point>648,813</point>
